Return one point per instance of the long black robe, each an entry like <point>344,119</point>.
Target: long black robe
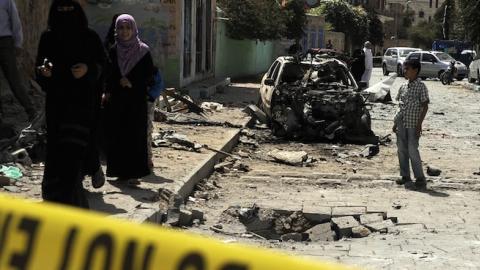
<point>127,156</point>
<point>70,107</point>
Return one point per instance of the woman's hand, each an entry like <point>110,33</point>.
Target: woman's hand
<point>79,70</point>
<point>124,82</point>
<point>45,71</point>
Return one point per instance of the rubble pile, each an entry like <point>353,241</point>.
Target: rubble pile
<point>176,214</point>
<point>299,226</point>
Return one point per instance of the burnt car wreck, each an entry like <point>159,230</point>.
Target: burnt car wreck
<point>315,100</point>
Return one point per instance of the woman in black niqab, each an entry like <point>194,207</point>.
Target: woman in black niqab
<point>74,58</point>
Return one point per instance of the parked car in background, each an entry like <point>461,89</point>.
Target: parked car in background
<point>474,71</point>
<point>393,59</point>
<point>435,63</point>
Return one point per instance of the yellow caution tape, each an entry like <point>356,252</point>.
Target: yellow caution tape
<point>50,237</point>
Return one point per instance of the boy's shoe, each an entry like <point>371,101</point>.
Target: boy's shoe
<point>403,181</point>
<point>410,185</point>
<point>421,184</point>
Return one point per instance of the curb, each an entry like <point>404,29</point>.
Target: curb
<point>187,184</point>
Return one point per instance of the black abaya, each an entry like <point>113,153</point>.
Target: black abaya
<point>127,156</point>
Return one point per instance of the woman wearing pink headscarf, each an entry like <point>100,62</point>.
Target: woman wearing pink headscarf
<point>130,75</point>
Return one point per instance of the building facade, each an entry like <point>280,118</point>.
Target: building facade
<point>180,33</point>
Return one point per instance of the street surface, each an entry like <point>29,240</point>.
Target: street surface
<point>437,229</point>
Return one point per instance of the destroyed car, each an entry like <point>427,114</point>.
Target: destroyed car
<point>315,99</point>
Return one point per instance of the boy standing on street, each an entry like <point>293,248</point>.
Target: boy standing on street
<point>413,101</point>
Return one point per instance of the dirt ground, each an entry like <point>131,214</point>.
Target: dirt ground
<point>436,229</point>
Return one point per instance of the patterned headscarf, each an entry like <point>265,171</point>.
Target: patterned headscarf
<point>129,52</point>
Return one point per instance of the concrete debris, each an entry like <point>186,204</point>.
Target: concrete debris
<point>370,151</point>
<point>294,158</point>
<point>355,211</point>
<point>321,232</point>
<point>247,133</point>
<point>296,222</point>
<point>381,227</point>
<point>380,92</point>
<point>296,237</point>
<point>432,171</point>
<point>372,218</point>
<point>360,232</point>
<point>248,141</point>
<point>185,218</point>
<point>170,138</point>
<point>4,181</point>
<point>223,166</point>
<point>12,189</point>
<point>343,225</point>
<point>254,111</point>
<point>397,205</point>
<point>211,106</point>
<point>21,156</point>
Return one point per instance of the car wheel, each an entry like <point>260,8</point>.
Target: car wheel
<point>423,78</point>
<point>385,71</point>
<point>471,80</point>
<point>399,70</point>
<point>460,78</point>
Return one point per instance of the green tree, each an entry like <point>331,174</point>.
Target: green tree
<point>353,21</point>
<point>296,19</point>
<point>469,14</point>
<point>423,34</point>
<point>375,28</point>
<point>254,19</point>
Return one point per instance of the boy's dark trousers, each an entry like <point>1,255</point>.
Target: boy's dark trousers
<point>407,144</point>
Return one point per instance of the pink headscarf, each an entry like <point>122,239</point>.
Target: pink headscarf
<point>131,51</point>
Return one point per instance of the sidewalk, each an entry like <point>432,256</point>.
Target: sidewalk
<point>175,171</point>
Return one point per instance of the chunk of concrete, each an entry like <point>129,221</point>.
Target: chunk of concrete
<point>432,171</point>
<point>355,211</point>
<point>344,225</point>
<point>360,232</point>
<point>4,181</point>
<point>381,227</point>
<point>321,232</point>
<point>297,237</point>
<point>185,218</point>
<point>197,214</point>
<point>372,218</point>
<point>254,111</point>
<point>295,158</point>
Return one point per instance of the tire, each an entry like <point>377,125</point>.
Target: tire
<point>460,78</point>
<point>471,80</point>
<point>423,78</point>
<point>399,70</point>
<point>443,79</point>
<point>385,71</point>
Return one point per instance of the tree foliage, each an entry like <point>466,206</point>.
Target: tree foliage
<point>353,21</point>
<point>263,19</point>
<point>469,19</point>
<point>296,19</point>
<point>423,34</point>
<point>375,29</point>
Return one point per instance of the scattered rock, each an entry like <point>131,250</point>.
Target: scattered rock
<point>360,232</point>
<point>321,232</point>
<point>432,171</point>
<point>4,181</point>
<point>12,189</point>
<point>397,205</point>
<point>295,158</point>
<point>211,106</point>
<point>355,211</point>
<point>223,166</point>
<point>197,215</point>
<point>381,227</point>
<point>344,225</point>
<point>185,218</point>
<point>370,151</point>
<point>254,111</point>
<point>372,218</point>
<point>297,237</point>
<point>248,141</point>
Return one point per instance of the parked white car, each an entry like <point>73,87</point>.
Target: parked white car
<point>474,73</point>
<point>435,63</point>
<point>393,59</point>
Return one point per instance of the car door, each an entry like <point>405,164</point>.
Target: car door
<point>393,60</point>
<point>386,58</point>
<point>267,90</point>
<point>429,65</point>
